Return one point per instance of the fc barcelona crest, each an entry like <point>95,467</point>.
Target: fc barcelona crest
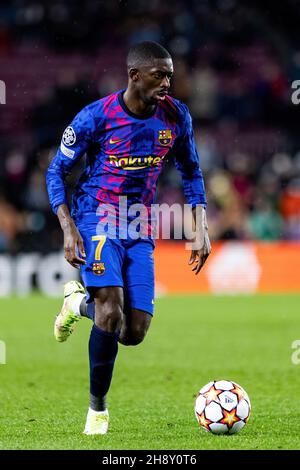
<point>98,268</point>
<point>165,137</point>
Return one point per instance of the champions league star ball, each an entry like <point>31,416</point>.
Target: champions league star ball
<point>222,407</point>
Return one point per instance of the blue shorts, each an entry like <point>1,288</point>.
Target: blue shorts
<point>125,263</point>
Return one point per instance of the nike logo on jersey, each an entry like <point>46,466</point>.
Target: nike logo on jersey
<point>114,141</point>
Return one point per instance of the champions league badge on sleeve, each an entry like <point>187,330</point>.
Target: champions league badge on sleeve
<point>69,136</point>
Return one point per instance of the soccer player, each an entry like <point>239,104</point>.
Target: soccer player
<point>125,137</point>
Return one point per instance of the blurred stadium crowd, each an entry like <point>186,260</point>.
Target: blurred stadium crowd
<point>234,65</point>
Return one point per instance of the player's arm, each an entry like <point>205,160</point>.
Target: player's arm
<point>72,237</point>
<point>202,243</point>
<point>187,162</point>
<point>75,142</point>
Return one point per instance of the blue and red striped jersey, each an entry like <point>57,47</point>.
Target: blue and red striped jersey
<point>124,154</point>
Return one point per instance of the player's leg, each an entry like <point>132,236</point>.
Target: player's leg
<point>102,276</point>
<point>135,326</point>
<point>138,273</point>
<point>135,323</point>
<point>103,348</point>
<point>103,344</point>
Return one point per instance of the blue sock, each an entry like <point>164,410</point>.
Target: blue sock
<point>103,349</point>
<point>87,310</point>
<point>90,311</point>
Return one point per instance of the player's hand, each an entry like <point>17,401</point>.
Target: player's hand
<point>72,237</point>
<point>72,241</point>
<point>200,254</point>
<point>199,257</point>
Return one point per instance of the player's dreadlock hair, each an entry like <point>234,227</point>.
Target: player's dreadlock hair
<point>143,53</point>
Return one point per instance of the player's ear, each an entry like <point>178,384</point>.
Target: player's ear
<point>133,74</point>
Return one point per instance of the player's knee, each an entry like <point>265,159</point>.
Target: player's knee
<point>108,315</point>
<point>137,335</point>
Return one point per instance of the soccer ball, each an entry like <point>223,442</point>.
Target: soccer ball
<point>222,407</point>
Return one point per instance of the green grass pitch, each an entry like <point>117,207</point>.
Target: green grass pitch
<point>192,340</point>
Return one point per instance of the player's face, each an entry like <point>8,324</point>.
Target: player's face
<point>154,81</point>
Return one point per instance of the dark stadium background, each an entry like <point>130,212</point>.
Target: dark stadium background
<point>234,66</point>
